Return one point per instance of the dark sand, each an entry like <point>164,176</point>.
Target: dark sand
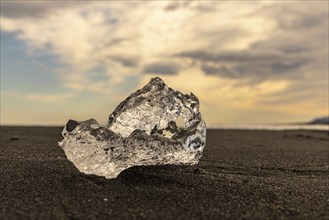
<point>242,175</point>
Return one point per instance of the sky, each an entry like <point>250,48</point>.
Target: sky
<point>248,62</point>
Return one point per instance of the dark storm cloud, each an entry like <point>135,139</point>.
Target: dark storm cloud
<point>300,19</point>
<point>308,21</point>
<point>172,7</point>
<point>22,9</point>
<point>176,5</point>
<point>254,72</point>
<point>231,56</point>
<point>116,41</point>
<point>224,71</point>
<point>302,28</point>
<point>299,31</point>
<point>299,40</point>
<point>196,6</point>
<point>125,61</point>
<point>25,9</point>
<point>161,68</point>
<point>247,64</point>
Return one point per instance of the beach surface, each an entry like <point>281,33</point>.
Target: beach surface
<point>243,174</point>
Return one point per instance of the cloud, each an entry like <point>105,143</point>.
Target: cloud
<point>248,64</point>
<point>32,9</point>
<point>161,68</point>
<point>231,56</point>
<point>296,43</point>
<point>43,97</point>
<point>234,54</point>
<point>176,5</point>
<point>125,61</point>
<point>127,46</point>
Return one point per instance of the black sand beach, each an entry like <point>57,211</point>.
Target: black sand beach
<point>242,175</point>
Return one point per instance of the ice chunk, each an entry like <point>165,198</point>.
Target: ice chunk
<point>142,130</point>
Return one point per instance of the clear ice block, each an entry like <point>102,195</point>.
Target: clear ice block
<point>142,130</point>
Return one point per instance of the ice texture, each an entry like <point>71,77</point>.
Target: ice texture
<point>142,130</point>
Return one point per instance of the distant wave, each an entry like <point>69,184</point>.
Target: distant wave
<point>273,127</point>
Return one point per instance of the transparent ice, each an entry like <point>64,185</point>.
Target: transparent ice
<point>142,130</point>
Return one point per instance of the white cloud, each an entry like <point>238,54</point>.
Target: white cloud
<point>43,97</point>
<point>126,38</point>
<point>80,36</point>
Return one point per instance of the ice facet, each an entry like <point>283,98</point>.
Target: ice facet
<point>142,130</point>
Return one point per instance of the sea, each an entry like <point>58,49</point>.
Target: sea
<point>276,127</point>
